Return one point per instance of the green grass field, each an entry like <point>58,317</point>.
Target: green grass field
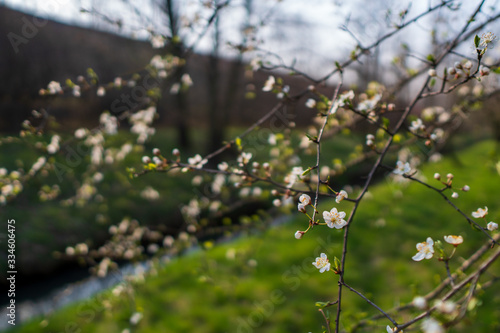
<point>49,226</point>
<point>265,282</point>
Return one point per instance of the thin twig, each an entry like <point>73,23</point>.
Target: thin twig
<point>371,303</point>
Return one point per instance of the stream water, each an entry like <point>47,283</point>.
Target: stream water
<point>71,292</point>
<point>90,286</point>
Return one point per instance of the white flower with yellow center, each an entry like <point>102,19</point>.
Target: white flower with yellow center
<point>425,250</point>
<point>334,218</point>
<point>305,199</point>
<point>492,226</point>
<point>454,240</point>
<point>391,330</point>
<point>480,213</point>
<point>322,263</point>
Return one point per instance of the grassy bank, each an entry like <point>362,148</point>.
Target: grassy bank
<point>265,282</point>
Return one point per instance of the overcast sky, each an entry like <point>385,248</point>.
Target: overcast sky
<point>307,31</point>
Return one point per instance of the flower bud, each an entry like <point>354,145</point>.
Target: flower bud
<point>156,152</point>
<point>336,265</point>
<point>299,234</point>
<point>146,160</point>
<point>484,71</point>
<point>452,71</point>
<point>391,107</point>
<point>458,65</point>
<point>157,160</point>
<point>466,188</point>
<point>419,302</point>
<point>467,65</point>
<point>449,176</point>
<point>437,176</point>
<point>454,195</point>
<point>301,208</point>
<point>275,192</point>
<point>432,72</point>
<point>176,152</point>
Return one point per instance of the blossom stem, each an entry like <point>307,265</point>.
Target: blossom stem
<point>370,302</point>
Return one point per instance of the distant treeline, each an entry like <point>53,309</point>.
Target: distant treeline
<point>35,51</point>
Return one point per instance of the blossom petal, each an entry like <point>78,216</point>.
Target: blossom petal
<point>419,256</point>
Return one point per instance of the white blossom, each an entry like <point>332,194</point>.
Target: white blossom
<point>150,193</point>
<point>101,91</point>
<point>402,168</point>
<point>419,302</point>
<point>141,122</point>
<point>109,123</point>
<point>417,125</point>
<point>310,103</point>
<point>157,41</point>
<point>334,218</point>
<point>136,318</point>
<point>54,87</point>
<point>53,146</point>
<point>186,80</point>
<point>269,85</point>
<point>454,240</point>
<point>322,263</point>
<point>492,226</point>
<point>425,250</point>
<point>305,199</point>
<point>294,176</point>
<point>81,133</point>
<point>341,196</point>
<point>256,63</point>
<point>480,213</point>
<point>431,325</point>
<point>197,161</point>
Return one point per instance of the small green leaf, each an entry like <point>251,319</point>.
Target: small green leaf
<point>321,304</point>
<point>69,83</point>
<point>312,138</point>
<point>386,122</point>
<point>432,82</point>
<point>307,171</point>
<point>477,40</point>
<point>431,58</point>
